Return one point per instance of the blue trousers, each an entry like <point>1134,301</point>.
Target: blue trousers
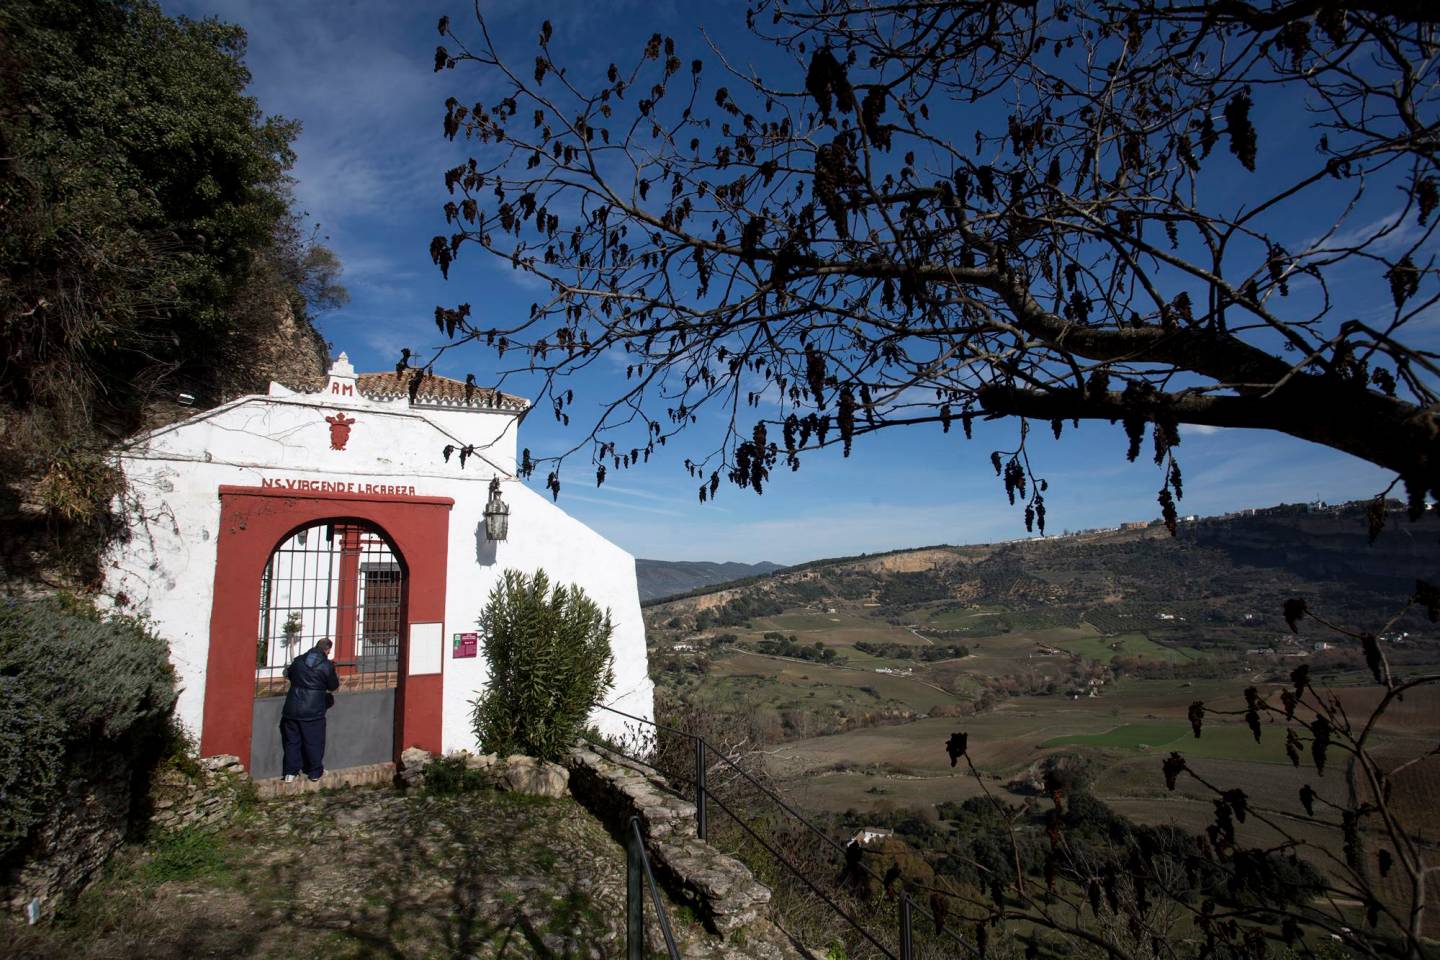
<point>304,742</point>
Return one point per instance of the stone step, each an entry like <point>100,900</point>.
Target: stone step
<point>370,775</point>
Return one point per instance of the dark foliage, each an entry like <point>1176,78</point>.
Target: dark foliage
<point>548,648</point>
<point>779,645</point>
<point>73,685</point>
<point>149,237</point>
<point>447,776</point>
<point>905,589</point>
<point>739,611</point>
<point>903,651</point>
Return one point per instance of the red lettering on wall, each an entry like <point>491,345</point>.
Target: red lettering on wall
<point>337,486</point>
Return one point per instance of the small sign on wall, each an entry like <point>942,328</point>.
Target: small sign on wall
<point>465,645</point>
<point>426,647</point>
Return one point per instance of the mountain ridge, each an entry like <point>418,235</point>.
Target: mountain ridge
<point>659,579</point>
<point>1297,547</point>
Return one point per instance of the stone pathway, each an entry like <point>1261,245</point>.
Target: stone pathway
<point>377,873</point>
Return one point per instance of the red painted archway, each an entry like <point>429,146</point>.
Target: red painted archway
<point>252,521</point>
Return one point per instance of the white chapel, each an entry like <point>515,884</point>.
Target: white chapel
<point>356,513</point>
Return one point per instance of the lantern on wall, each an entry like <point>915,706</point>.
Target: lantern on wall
<point>497,514</point>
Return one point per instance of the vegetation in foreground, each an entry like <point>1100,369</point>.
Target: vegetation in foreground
<point>353,874</point>
<point>82,696</point>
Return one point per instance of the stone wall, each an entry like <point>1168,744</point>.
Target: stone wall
<point>615,789</point>
<point>721,890</point>
<point>93,816</point>
<point>89,822</point>
<point>369,775</point>
<point>516,773</point>
<point>203,800</point>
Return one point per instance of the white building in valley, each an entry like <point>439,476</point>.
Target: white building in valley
<point>356,513</point>
<point>868,836</point>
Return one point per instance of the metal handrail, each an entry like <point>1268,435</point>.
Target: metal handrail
<point>775,798</point>
<point>806,880</point>
<point>635,860</point>
<point>702,794</point>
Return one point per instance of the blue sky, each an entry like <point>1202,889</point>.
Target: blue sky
<point>370,162</point>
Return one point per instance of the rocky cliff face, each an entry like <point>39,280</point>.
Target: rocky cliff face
<point>1328,545</point>
<point>291,352</point>
<point>55,486</point>
<point>278,345</point>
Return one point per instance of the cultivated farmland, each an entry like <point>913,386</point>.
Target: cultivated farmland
<point>1088,653</point>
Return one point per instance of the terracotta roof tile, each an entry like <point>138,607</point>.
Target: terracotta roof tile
<point>442,391</point>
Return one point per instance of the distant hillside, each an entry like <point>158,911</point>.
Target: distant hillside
<point>1213,582</point>
<point>665,578</point>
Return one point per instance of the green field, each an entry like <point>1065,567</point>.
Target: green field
<point>1139,719</point>
<point>802,621</point>
<point>1125,732</point>
<point>1131,735</point>
<point>855,657</point>
<point>1218,741</point>
<point>1125,645</point>
<point>778,683</point>
<point>960,619</point>
<point>844,628</point>
<point>840,790</point>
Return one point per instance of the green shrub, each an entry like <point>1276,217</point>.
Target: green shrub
<point>550,660</point>
<point>73,684</point>
<point>447,776</point>
<point>27,778</point>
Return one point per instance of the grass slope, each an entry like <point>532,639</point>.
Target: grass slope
<point>358,874</point>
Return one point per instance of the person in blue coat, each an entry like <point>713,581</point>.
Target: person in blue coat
<point>313,681</point>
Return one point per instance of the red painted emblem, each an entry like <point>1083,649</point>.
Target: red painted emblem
<point>339,430</point>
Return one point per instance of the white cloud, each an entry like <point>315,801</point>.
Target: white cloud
<point>615,503</point>
<point>1381,235</point>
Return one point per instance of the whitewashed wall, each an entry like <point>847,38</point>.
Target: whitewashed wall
<point>167,568</point>
<point>541,536</point>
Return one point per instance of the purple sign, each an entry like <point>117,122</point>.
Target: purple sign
<point>465,645</point>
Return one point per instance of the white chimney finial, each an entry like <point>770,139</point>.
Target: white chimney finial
<point>342,368</point>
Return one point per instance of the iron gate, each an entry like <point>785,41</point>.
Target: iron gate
<point>336,581</point>
<point>341,581</point>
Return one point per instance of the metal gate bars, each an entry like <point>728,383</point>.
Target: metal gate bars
<point>336,580</point>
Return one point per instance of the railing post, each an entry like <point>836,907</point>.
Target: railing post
<point>634,897</point>
<point>905,943</point>
<point>701,824</point>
